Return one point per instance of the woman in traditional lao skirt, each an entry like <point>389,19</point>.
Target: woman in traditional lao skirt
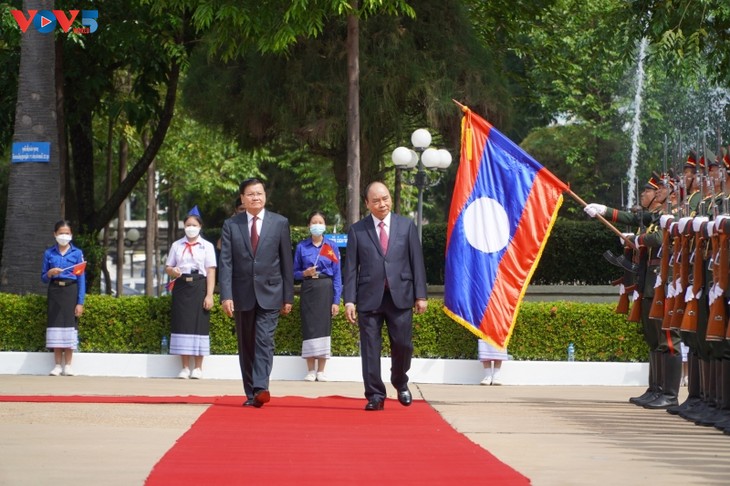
<point>63,271</point>
<point>191,263</point>
<point>317,265</point>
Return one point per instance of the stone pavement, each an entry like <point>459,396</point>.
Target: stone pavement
<point>555,435</point>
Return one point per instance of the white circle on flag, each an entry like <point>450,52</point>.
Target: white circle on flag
<point>486,225</point>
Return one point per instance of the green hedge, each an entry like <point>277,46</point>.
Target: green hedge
<point>137,324</point>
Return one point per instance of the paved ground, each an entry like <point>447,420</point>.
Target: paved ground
<point>569,435</point>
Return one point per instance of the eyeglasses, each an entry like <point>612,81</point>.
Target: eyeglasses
<point>254,194</point>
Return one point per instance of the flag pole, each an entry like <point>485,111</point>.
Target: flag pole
<point>464,108</point>
<point>603,220</point>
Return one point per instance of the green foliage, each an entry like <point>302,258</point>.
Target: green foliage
<point>137,324</point>
<point>544,330</point>
<point>233,27</point>
<point>94,253</point>
<point>129,324</point>
<point>410,69</point>
<point>198,164</point>
<point>23,322</point>
<point>434,252</point>
<point>581,155</point>
<point>573,254</point>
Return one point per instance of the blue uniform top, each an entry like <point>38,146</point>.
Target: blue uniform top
<point>52,258</point>
<point>306,255</point>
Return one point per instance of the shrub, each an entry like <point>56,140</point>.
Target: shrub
<point>136,325</point>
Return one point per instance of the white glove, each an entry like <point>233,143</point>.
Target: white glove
<point>697,222</point>
<point>718,221</point>
<point>593,209</point>
<point>665,219</point>
<point>627,236</point>
<point>683,223</point>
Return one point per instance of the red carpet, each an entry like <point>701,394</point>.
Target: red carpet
<point>329,440</point>
<point>305,441</point>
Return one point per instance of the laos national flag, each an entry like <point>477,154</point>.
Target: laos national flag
<point>503,207</point>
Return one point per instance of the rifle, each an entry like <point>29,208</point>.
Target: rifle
<point>671,286</point>
<point>657,304</point>
<point>638,293</point>
<point>626,283</point>
<point>717,320</point>
<point>681,274</point>
<point>691,310</point>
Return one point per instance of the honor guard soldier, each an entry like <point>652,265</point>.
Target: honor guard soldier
<point>665,367</point>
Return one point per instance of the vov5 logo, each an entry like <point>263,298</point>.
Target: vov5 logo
<point>45,21</point>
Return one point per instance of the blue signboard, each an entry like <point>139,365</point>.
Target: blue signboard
<point>340,239</point>
<point>31,152</point>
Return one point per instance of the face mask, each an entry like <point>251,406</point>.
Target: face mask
<point>192,231</point>
<point>63,240</point>
<point>317,229</point>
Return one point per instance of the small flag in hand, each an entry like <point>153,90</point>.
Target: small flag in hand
<point>170,285</point>
<point>327,252</point>
<point>79,269</point>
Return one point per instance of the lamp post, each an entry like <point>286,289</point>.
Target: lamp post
<point>427,161</point>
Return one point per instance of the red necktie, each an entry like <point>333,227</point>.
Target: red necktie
<point>254,235</point>
<point>188,247</point>
<point>383,238</point>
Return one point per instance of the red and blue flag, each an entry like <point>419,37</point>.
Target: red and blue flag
<point>503,208</point>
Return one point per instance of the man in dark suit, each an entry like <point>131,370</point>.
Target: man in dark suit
<point>385,278</point>
<point>256,285</point>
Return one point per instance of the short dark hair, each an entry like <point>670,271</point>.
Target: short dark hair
<point>249,182</point>
<point>61,224</point>
<point>237,203</point>
<point>314,213</point>
<point>195,217</point>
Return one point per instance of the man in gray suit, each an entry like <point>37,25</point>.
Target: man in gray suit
<point>385,278</point>
<point>256,285</point>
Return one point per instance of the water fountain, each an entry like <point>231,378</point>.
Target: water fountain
<point>636,123</point>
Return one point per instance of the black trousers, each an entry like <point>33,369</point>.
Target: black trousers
<point>400,333</point>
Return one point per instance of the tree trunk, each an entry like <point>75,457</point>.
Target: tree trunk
<point>34,200</point>
<point>353,116</point>
<point>82,150</point>
<point>61,123</point>
<point>121,217</point>
<point>107,193</point>
<point>150,242</point>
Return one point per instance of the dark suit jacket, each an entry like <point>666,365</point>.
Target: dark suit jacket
<point>366,269</point>
<point>267,279</point>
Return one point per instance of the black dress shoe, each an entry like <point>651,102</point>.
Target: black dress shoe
<point>261,397</point>
<point>248,403</point>
<point>374,404</point>
<point>662,402</point>
<point>644,399</point>
<point>404,397</point>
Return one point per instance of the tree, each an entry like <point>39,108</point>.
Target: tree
<point>410,71</point>
<point>34,201</point>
